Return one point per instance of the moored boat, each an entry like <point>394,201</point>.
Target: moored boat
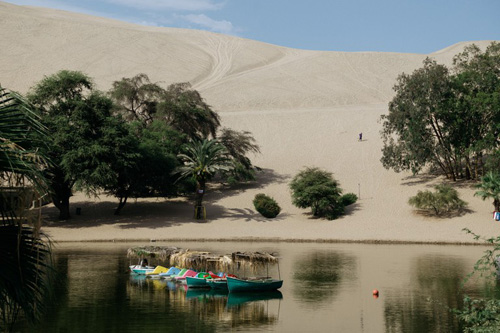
<point>155,274</point>
<point>187,273</point>
<point>257,284</point>
<point>171,272</point>
<point>141,270</point>
<point>196,282</point>
<point>218,284</point>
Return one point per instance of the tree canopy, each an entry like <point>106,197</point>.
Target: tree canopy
<point>203,160</point>
<point>85,141</point>
<point>489,188</point>
<point>317,189</point>
<point>446,119</point>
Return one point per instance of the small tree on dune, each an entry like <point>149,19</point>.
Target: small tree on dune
<point>444,199</point>
<point>318,190</point>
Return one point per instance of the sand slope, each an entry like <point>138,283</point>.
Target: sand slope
<point>305,108</point>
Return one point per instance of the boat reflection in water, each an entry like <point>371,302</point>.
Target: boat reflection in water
<point>243,310</point>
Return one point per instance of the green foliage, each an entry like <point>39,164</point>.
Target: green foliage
<point>137,97</point>
<point>238,145</point>
<point>412,131</point>
<point>266,206</point>
<point>19,153</point>
<point>185,110</point>
<point>444,199</point>
<point>490,188</point>
<point>23,255</point>
<point>318,190</point>
<point>348,199</point>
<point>445,121</point>
<point>203,160</point>
<point>481,315</point>
<point>86,141</point>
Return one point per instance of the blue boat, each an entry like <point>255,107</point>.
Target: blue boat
<point>257,284</point>
<point>171,272</point>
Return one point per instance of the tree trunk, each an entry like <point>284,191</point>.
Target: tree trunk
<point>468,168</point>
<point>200,192</point>
<point>61,193</point>
<point>62,203</point>
<point>121,204</point>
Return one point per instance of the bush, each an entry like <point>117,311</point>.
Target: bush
<point>348,199</point>
<point>444,199</point>
<point>266,205</point>
<point>317,189</point>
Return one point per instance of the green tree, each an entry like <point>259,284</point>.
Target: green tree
<point>448,120</point>
<point>23,254</point>
<point>86,140</point>
<point>137,97</point>
<point>444,199</point>
<point>414,133</point>
<point>202,160</point>
<point>489,188</point>
<point>476,105</point>
<point>149,174</point>
<point>318,190</point>
<point>185,110</point>
<point>238,145</point>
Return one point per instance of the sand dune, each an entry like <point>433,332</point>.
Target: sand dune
<point>305,108</point>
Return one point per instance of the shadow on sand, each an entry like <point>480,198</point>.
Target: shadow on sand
<point>159,213</point>
<point>445,215</point>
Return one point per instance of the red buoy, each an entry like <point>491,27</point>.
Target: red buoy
<point>375,292</point>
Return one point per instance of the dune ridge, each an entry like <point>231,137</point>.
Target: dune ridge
<point>304,108</point>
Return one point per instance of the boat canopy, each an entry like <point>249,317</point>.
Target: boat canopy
<point>201,260</point>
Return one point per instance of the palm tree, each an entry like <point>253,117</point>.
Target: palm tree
<point>202,160</point>
<point>490,188</point>
<point>22,252</point>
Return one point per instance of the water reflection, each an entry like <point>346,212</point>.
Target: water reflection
<point>434,284</point>
<point>327,288</point>
<point>228,311</point>
<point>318,275</point>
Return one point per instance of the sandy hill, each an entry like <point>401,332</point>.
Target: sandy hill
<point>305,108</point>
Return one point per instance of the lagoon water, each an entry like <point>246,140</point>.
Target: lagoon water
<point>327,288</point>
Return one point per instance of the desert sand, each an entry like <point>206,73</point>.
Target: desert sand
<point>304,108</point>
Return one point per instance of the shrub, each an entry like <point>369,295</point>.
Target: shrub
<point>348,199</point>
<point>317,189</point>
<point>266,206</point>
<point>444,199</point>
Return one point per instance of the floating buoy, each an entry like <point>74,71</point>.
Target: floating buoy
<point>375,293</point>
